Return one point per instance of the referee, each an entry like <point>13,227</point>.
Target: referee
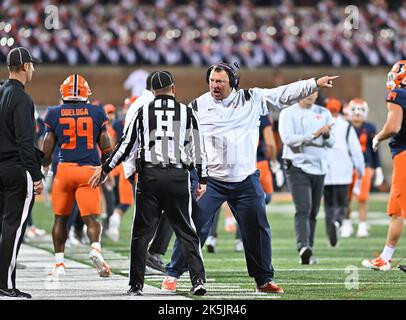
<point>20,165</point>
<point>165,137</point>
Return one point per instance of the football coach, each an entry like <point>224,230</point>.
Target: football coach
<point>20,165</point>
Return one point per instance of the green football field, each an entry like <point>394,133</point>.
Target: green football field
<point>338,275</point>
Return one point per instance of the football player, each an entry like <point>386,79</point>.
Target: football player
<point>394,128</point>
<point>79,129</point>
<point>358,113</point>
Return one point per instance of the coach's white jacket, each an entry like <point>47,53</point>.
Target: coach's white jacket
<point>231,126</point>
<point>345,155</point>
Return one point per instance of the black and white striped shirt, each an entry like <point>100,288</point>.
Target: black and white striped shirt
<point>162,132</point>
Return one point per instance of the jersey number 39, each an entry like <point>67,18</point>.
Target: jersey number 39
<point>80,127</point>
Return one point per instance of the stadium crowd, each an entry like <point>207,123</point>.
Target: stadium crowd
<point>204,32</point>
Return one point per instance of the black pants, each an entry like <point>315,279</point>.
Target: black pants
<point>16,201</point>
<point>306,190</point>
<point>335,204</point>
<point>164,189</point>
<point>162,236</point>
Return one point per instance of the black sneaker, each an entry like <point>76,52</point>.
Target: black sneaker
<point>135,290</point>
<point>13,293</point>
<point>333,233</point>
<point>211,244</point>
<point>198,288</point>
<point>154,261</point>
<point>7,293</point>
<point>305,253</point>
<point>402,267</point>
<point>21,294</point>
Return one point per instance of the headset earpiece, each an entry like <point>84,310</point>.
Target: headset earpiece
<point>231,71</point>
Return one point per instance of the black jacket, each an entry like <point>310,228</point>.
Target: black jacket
<point>17,129</point>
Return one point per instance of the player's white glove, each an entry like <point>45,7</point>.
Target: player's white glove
<point>375,143</point>
<point>277,170</point>
<point>378,180</point>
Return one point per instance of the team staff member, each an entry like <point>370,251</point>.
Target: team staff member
<point>20,165</point>
<point>394,128</point>
<point>79,130</point>
<point>305,132</point>
<point>165,136</point>
<point>229,119</point>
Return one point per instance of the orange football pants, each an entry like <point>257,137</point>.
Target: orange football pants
<point>397,197</point>
<point>366,181</point>
<point>265,176</point>
<point>125,189</point>
<point>70,183</point>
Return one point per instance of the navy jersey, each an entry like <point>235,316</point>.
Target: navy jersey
<point>118,126</point>
<point>398,142</point>
<point>366,134</point>
<point>77,128</point>
<point>261,150</point>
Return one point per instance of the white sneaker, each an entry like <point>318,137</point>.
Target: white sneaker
<point>362,231</point>
<point>238,247</point>
<point>211,244</point>
<point>346,229</point>
<point>34,233</point>
<point>73,238</point>
<point>101,266</point>
<point>113,234</point>
<point>58,270</point>
<point>377,264</point>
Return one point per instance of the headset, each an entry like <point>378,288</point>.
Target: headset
<point>232,72</point>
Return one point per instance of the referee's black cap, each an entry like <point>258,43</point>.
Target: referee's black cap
<point>161,79</point>
<point>19,56</point>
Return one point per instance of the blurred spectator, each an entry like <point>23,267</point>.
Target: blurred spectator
<point>136,82</point>
<point>254,33</point>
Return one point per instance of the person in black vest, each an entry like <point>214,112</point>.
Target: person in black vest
<point>20,165</point>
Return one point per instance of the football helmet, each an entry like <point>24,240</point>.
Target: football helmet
<point>75,88</point>
<point>333,104</point>
<point>397,76</point>
<point>358,108</point>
